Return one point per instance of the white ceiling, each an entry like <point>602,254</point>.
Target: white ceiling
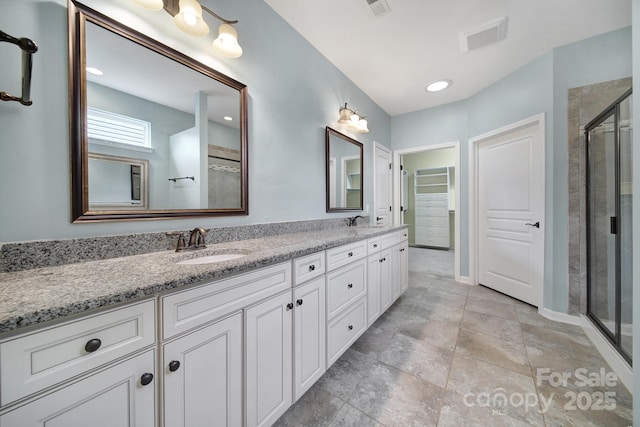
<point>392,57</point>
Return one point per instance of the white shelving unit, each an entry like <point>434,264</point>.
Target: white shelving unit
<point>431,192</point>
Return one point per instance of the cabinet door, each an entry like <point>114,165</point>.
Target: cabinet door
<point>309,336</point>
<point>404,267</point>
<point>114,397</point>
<point>373,289</point>
<point>203,376</point>
<point>386,282</point>
<point>269,373</point>
<point>395,271</point>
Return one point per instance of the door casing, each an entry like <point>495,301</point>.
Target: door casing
<point>474,143</point>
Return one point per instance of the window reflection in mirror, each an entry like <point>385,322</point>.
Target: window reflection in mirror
<point>344,172</point>
<point>153,105</point>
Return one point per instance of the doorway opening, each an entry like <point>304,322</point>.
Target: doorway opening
<point>609,247</point>
<point>426,201</point>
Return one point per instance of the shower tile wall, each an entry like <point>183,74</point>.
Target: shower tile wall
<point>585,103</point>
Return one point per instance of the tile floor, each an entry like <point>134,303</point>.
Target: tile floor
<point>449,354</point>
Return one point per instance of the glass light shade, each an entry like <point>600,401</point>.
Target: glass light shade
<point>362,126</point>
<point>150,4</point>
<point>227,42</point>
<point>345,116</point>
<point>354,118</point>
<point>189,19</point>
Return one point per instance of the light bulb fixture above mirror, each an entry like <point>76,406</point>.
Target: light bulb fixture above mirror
<point>352,121</point>
<point>187,15</point>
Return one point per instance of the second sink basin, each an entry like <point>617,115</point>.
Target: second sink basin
<point>211,259</point>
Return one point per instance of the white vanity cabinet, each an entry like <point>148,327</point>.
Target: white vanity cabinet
<point>387,273</point>
<point>268,354</point>
<point>346,297</point>
<point>309,336</point>
<point>98,370</point>
<point>209,330</point>
<point>202,374</point>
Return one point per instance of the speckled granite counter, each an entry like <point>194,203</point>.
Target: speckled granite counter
<point>38,295</point>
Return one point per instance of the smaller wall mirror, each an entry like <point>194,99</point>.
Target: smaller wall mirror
<point>344,172</point>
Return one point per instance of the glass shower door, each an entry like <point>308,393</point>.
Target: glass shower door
<point>626,194</point>
<point>602,217</point>
<point>609,198</point>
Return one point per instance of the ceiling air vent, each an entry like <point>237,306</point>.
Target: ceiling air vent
<point>484,35</point>
<point>378,7</point>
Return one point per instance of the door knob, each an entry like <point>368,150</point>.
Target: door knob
<point>536,225</point>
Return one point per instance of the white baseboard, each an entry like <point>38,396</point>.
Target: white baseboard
<point>609,353</point>
<point>560,317</point>
<point>464,279</point>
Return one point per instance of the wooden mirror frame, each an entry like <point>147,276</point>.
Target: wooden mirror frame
<point>332,132</point>
<point>79,15</point>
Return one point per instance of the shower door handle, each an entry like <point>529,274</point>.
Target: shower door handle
<point>536,225</point>
<point>613,224</point>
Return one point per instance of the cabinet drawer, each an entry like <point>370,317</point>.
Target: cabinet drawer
<point>30,363</point>
<point>343,255</point>
<point>308,267</point>
<point>182,311</point>
<point>373,245</point>
<point>391,239</point>
<point>345,329</point>
<point>344,286</point>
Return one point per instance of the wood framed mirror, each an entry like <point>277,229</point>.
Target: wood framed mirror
<point>186,122</point>
<point>344,167</point>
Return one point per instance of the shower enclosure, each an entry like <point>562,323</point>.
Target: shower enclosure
<point>609,246</point>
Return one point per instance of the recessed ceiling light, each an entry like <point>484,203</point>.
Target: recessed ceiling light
<point>94,71</point>
<point>228,118</point>
<point>437,86</point>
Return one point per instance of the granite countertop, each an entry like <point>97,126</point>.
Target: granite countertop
<point>38,295</point>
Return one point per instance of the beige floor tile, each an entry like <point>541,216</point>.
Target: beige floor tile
<point>395,398</point>
<point>348,416</point>
<point>316,407</point>
<point>345,374</point>
<point>437,332</point>
<point>494,308</point>
<point>505,391</point>
<point>455,412</point>
<point>507,354</point>
<point>492,325</point>
<point>418,358</point>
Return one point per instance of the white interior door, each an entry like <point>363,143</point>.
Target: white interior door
<point>510,212</point>
<point>382,183</point>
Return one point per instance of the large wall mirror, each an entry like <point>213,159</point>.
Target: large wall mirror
<point>344,172</point>
<point>154,133</point>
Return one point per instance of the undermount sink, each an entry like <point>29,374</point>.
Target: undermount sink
<point>210,259</point>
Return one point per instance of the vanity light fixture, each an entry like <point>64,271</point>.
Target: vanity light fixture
<point>438,85</point>
<point>352,121</point>
<point>187,15</point>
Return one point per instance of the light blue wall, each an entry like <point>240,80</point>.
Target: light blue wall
<point>294,93</point>
<point>538,87</point>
